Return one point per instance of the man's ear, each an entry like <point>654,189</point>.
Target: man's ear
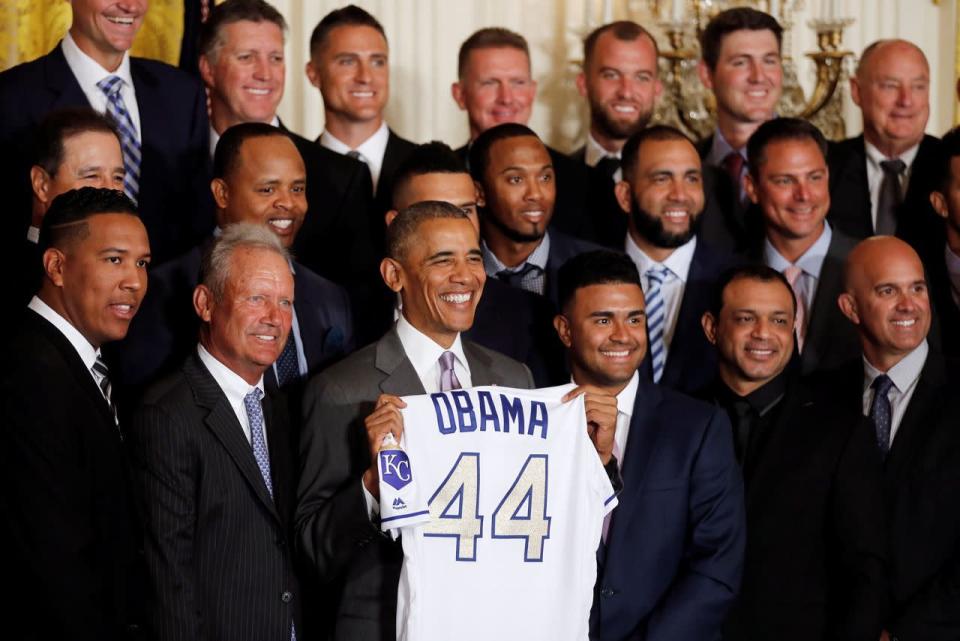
<point>582,84</point>
<point>709,323</point>
<point>312,74</point>
<point>562,325</point>
<point>389,216</point>
<point>848,305</point>
<point>705,77</point>
<point>40,183</point>
<point>939,202</point>
<point>481,196</point>
<point>392,273</point>
<point>855,90</point>
<point>456,90</point>
<point>221,194</point>
<point>54,261</point>
<point>206,71</point>
<point>624,194</point>
<point>203,302</point>
<point>751,188</point>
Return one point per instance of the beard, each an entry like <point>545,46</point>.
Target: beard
<point>617,129</point>
<point>651,227</point>
<point>512,234</point>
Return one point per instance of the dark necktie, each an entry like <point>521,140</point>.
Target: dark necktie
<point>356,155</point>
<point>288,366</point>
<point>608,166</point>
<point>106,387</point>
<point>733,165</point>
<point>744,418</point>
<point>880,412</point>
<point>515,278</point>
<point>890,196</point>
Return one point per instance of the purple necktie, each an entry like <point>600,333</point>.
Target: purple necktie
<point>448,377</point>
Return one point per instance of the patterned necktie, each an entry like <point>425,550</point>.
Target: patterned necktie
<point>516,278</point>
<point>288,365</point>
<point>448,377</point>
<point>792,274</point>
<point>130,143</point>
<point>102,374</point>
<point>890,197</point>
<point>656,318</point>
<point>251,402</point>
<point>880,412</point>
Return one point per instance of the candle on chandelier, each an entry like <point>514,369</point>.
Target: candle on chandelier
<point>678,8</point>
<point>774,8</point>
<point>607,11</point>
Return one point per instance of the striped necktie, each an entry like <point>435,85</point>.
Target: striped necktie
<point>102,375</point>
<point>130,143</point>
<point>656,318</point>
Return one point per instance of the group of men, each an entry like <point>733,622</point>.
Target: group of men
<point>761,325</point>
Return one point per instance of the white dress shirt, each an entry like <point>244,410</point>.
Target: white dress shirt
<point>672,288</point>
<point>811,262</point>
<point>424,355</point>
<point>625,400</point>
<point>233,387</point>
<point>875,174</point>
<point>904,375</point>
<point>87,352</point>
<point>594,152</point>
<point>88,73</point>
<point>371,150</point>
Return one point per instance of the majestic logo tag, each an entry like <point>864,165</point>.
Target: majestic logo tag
<point>395,468</point>
<point>398,504</point>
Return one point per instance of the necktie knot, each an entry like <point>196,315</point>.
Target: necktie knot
<point>658,275</point>
<point>111,85</point>
<point>893,166</point>
<point>515,277</point>
<point>356,155</point>
<point>881,385</point>
<point>733,164</point>
<point>792,273</point>
<point>252,400</point>
<point>448,376</point>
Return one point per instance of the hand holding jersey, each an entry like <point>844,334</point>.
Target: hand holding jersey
<point>385,419</point>
<point>601,411</point>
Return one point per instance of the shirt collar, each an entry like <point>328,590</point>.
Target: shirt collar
<point>538,257</point>
<point>628,396</point>
<point>904,373</point>
<point>372,149</point>
<point>232,384</point>
<point>677,262</point>
<point>88,71</point>
<point>765,397</point>
<point>720,149</point>
<point>874,156</point>
<point>215,137</point>
<point>811,261</point>
<point>594,151</point>
<point>422,350</point>
<point>87,352</point>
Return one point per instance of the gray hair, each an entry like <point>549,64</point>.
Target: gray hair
<point>215,265</point>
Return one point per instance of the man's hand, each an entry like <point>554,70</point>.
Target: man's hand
<point>601,410</point>
<point>884,636</point>
<point>385,419</point>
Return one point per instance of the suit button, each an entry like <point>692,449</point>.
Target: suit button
<point>607,592</point>
<point>287,596</point>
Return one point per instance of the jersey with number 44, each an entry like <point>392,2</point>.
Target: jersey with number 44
<point>516,496</point>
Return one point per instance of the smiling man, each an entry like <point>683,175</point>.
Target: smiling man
<point>815,528</point>
<point>214,458</point>
<point>349,64</point>
<point>649,577</point>
<point>69,526</point>
<point>881,180</point>
<point>160,113</point>
<point>259,178</point>
<point>661,196</point>
<point>435,264</point>
<point>518,185</point>
<point>788,182</point>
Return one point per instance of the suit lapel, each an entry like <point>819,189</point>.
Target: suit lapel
<point>61,82</point>
<point>151,110</point>
<point>687,331</point>
<point>829,288</point>
<point>853,182</point>
<point>644,434</point>
<point>916,421</point>
<point>311,336</point>
<point>481,367</point>
<point>222,421</point>
<point>401,379</point>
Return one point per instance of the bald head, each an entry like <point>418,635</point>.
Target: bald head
<point>885,296</point>
<point>892,88</point>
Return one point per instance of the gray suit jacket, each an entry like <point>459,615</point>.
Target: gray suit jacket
<point>357,566</point>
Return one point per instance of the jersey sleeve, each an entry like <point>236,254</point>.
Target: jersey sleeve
<point>401,505</point>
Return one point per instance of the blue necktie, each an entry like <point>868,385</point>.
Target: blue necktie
<point>656,319</point>
<point>288,366</point>
<point>257,441</point>
<point>130,143</point>
<point>880,412</point>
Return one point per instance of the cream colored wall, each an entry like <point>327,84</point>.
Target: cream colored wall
<point>425,35</point>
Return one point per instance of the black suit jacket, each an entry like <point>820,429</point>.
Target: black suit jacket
<point>850,205</point>
<point>519,324</point>
<point>671,565</point>
<point>815,526</point>
<point>563,247</point>
<point>358,565</point>
<point>921,480</point>
<point>174,199</point>
<point>947,314</point>
<point>165,329</point>
<point>691,360</point>
<point>68,527</point>
<point>729,223</point>
<point>217,543</point>
<point>393,156</point>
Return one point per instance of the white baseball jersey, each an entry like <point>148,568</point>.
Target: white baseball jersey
<point>516,496</point>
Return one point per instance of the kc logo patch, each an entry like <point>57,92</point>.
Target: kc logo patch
<point>395,468</point>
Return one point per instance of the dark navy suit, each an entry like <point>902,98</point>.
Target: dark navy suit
<point>174,199</point>
<point>671,566</point>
